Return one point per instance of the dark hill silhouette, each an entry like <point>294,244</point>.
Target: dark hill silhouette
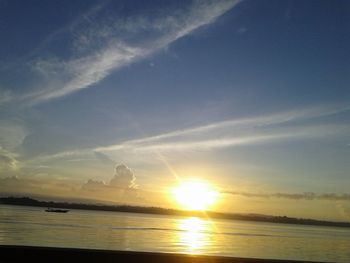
<point>26,201</point>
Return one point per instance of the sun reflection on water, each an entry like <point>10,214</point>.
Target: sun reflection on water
<point>194,234</point>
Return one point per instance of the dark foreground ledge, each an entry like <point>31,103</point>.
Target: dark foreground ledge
<point>11,254</point>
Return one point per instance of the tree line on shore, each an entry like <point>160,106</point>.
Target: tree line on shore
<point>26,201</point>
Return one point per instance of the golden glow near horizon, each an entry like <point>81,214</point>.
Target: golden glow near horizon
<point>194,195</point>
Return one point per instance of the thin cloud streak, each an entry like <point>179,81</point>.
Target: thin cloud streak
<point>311,132</point>
<point>86,71</point>
<point>208,144</point>
<point>254,122</point>
<point>250,131</point>
<point>293,196</point>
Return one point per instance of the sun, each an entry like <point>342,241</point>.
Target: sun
<point>194,195</point>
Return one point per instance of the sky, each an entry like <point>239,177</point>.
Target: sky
<point>118,101</point>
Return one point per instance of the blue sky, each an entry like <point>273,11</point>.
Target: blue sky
<point>252,96</point>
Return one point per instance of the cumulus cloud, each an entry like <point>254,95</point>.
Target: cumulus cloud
<point>294,196</point>
<point>121,187</point>
<point>94,185</point>
<point>123,177</point>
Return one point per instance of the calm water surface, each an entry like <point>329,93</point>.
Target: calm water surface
<point>140,232</point>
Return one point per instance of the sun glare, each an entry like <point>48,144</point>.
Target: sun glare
<point>194,195</point>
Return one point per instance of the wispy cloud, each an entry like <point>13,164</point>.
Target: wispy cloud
<point>86,71</point>
<point>244,131</point>
<point>293,196</point>
<point>106,52</point>
<point>5,96</point>
<point>256,137</point>
<point>307,123</point>
<point>12,133</point>
<point>8,162</point>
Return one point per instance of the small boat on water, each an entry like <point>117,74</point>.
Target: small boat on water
<point>55,210</point>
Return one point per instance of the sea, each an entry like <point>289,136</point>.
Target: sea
<point>21,225</point>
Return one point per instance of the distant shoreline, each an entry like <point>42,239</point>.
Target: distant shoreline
<point>26,201</point>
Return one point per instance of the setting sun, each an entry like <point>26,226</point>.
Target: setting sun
<point>194,195</point>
